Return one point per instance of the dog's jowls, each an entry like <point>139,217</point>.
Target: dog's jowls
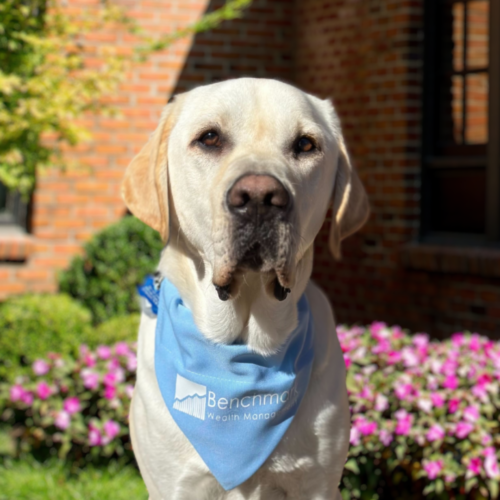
<point>237,178</point>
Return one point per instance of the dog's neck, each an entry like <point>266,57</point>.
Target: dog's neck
<point>252,317</point>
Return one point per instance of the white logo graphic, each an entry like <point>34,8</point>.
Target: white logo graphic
<point>190,398</point>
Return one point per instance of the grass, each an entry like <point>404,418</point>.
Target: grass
<point>34,481</point>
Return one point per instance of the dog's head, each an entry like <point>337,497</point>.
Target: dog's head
<point>246,170</point>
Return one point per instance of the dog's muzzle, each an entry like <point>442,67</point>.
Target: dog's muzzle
<point>259,205</point>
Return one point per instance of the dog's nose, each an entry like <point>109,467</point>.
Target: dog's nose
<point>255,194</point>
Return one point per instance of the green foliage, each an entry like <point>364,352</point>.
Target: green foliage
<point>46,84</point>
<point>35,481</point>
<point>33,325</point>
<point>115,261</point>
<point>120,328</point>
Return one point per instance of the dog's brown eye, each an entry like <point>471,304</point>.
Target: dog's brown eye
<point>210,139</point>
<point>304,145</point>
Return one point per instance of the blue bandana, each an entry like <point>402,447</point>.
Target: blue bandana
<point>232,404</point>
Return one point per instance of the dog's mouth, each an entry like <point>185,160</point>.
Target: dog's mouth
<point>267,250</point>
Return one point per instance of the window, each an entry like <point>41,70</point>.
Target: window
<point>13,210</point>
<point>461,161</point>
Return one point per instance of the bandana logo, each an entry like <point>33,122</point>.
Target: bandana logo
<point>190,397</point>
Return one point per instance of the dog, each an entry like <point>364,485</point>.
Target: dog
<point>237,179</point>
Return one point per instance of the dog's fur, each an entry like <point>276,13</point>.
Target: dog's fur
<point>179,187</point>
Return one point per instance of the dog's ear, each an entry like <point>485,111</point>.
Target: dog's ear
<point>145,186</point>
<point>350,202</point>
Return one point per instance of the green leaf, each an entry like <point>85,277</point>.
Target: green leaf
<point>493,488</point>
<point>470,483</point>
<point>352,465</point>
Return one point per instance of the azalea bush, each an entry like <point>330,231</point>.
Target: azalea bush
<point>75,408</point>
<point>425,414</point>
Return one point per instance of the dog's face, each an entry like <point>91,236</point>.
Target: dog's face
<point>247,169</point>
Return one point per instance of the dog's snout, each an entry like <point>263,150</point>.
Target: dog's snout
<point>257,194</point>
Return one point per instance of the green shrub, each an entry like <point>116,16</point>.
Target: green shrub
<point>115,262</point>
<point>120,328</point>
<point>32,325</point>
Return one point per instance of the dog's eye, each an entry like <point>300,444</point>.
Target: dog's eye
<point>210,139</point>
<point>304,145</point>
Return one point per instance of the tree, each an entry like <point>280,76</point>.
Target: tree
<point>46,83</point>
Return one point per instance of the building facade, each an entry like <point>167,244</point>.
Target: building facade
<point>413,82</point>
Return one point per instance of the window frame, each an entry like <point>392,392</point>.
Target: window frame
<point>430,161</point>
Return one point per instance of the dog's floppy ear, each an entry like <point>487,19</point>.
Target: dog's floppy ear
<point>350,202</point>
<point>145,186</point>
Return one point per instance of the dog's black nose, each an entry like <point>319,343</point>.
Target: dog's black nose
<point>256,195</point>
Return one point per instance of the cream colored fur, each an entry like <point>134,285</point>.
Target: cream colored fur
<point>179,189</point>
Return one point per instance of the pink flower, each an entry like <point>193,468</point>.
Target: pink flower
<point>109,392</point>
<point>453,405</point>
<point>27,398</point>
<point>113,364</point>
<point>409,357</point>
<point>393,357</point>
<point>43,390</point>
<point>471,413</point>
<point>385,437</point>
<point>475,342</point>
<point>425,405</point>
<point>95,438</point>
<point>433,468</point>
<point>16,392</point>
<point>103,351</point>
<point>432,384</point>
<point>457,339</point>
<point>366,427</point>
<point>40,367</point>
<point>72,405</point>
<point>449,367</point>
<point>62,420</point>
<point>404,423</point>
<point>89,360</point>
<point>111,428</point>
<point>381,403</point>
<point>486,439</point>
<point>437,400</point>
<point>376,328</point>
<point>450,382</point>
<point>132,362</point>
<point>463,429</point>
<point>383,346</point>
<point>121,349</point>
<point>129,390</point>
<point>354,436</point>
<point>347,360</point>
<point>474,467</point>
<point>479,390</point>
<point>421,340</point>
<point>90,379</point>
<point>114,377</point>
<point>435,433</point>
<point>490,463</point>
<point>403,391</point>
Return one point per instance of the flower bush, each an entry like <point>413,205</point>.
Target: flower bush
<point>75,408</point>
<point>425,414</point>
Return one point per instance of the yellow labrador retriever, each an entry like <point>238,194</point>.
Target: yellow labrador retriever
<point>237,178</point>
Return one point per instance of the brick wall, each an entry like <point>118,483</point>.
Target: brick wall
<point>367,56</point>
<point>364,54</point>
<point>68,208</point>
